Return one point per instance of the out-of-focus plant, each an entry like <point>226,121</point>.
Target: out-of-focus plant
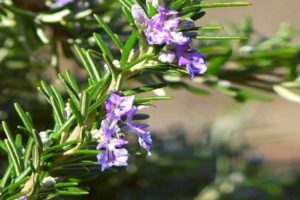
<point>249,68</point>
<point>240,173</point>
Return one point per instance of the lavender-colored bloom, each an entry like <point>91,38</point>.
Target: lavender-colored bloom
<point>161,28</point>
<point>139,15</point>
<point>145,140</point>
<point>61,3</point>
<point>120,113</point>
<point>113,152</point>
<point>113,157</point>
<point>24,197</point>
<point>191,59</point>
<point>108,130</point>
<point>117,106</point>
<point>167,56</point>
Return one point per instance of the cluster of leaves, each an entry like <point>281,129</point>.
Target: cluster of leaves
<point>36,39</point>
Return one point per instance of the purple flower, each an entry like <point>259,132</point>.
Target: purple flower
<point>161,28</point>
<point>139,16</point>
<point>145,140</point>
<point>167,56</point>
<point>61,3</point>
<point>24,197</point>
<point>191,59</point>
<point>113,152</point>
<point>120,112</point>
<point>117,106</point>
<point>113,157</point>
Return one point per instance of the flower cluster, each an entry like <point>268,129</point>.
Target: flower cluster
<point>120,111</point>
<point>163,29</point>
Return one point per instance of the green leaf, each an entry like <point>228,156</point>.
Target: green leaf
<point>67,124</point>
<point>26,121</point>
<point>36,157</point>
<point>127,49</point>
<point>94,68</point>
<point>72,81</point>
<point>141,100</point>
<point>6,176</point>
<point>3,146</point>
<point>104,48</point>
<point>143,58</point>
<point>12,148</point>
<point>88,64</point>
<point>205,28</point>
<point>28,151</point>
<point>216,5</point>
<point>65,184</point>
<point>84,103</point>
<point>58,115</point>
<point>146,88</point>
<point>72,191</point>
<point>14,157</point>
<point>76,112</point>
<point>61,147</point>
<point>70,89</point>
<point>58,98</point>
<point>208,37</point>
<point>23,175</point>
<point>128,15</point>
<point>112,36</point>
<point>37,140</point>
<point>47,90</point>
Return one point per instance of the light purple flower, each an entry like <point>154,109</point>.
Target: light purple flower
<point>113,152</point>
<point>145,140</point>
<point>61,3</point>
<point>161,28</point>
<point>117,106</point>
<point>139,16</point>
<point>113,157</point>
<point>24,197</point>
<point>167,56</point>
<point>109,130</point>
<point>120,112</point>
<point>191,59</point>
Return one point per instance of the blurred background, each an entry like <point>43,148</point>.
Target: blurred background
<point>206,147</point>
<point>271,128</point>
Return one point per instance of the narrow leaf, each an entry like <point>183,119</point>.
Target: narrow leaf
<point>108,31</point>
<point>102,45</point>
<point>127,49</point>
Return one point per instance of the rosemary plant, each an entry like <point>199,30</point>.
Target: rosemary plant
<point>94,124</point>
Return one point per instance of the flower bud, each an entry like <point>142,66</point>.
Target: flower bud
<point>48,181</point>
<point>167,57</point>
<point>139,15</point>
<point>46,140</point>
<point>187,24</point>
